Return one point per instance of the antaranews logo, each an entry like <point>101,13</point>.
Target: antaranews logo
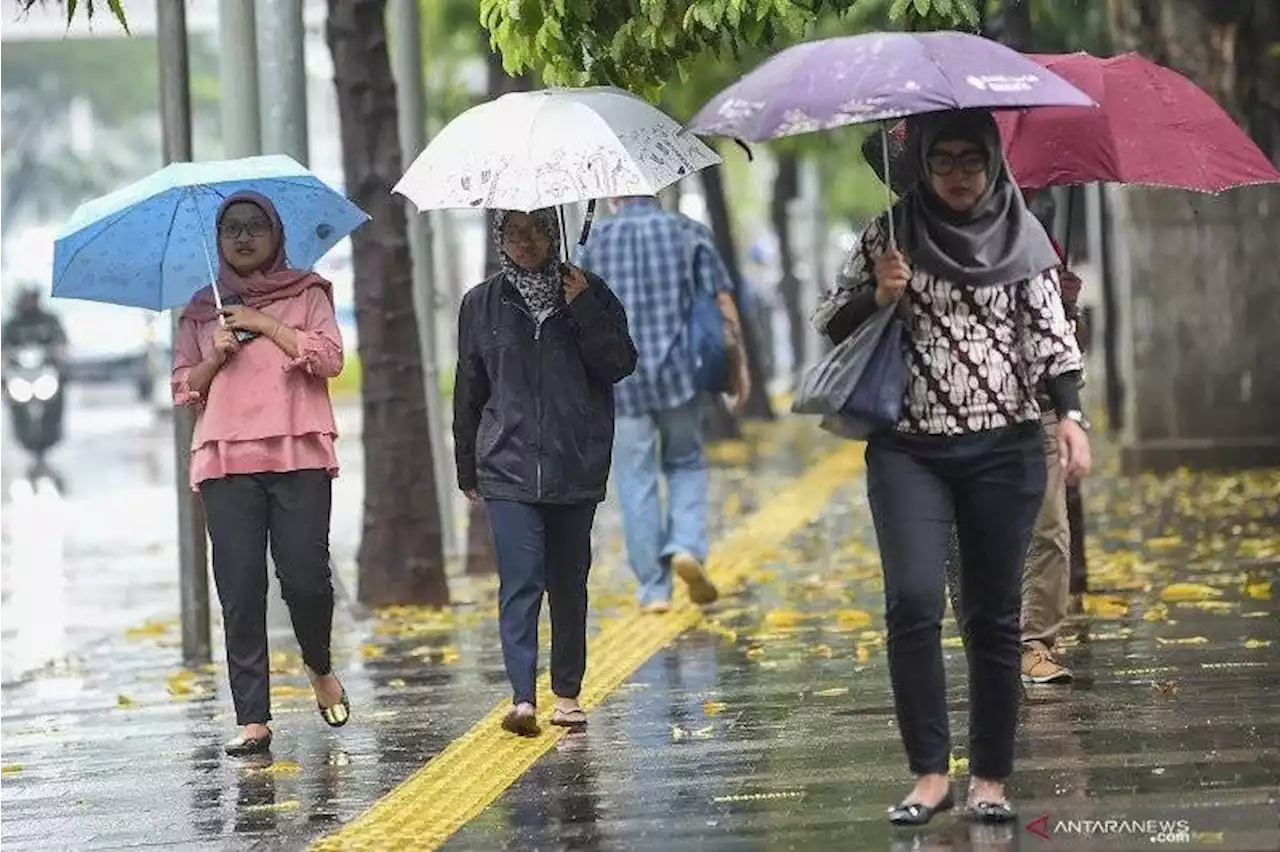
<point>1155,830</point>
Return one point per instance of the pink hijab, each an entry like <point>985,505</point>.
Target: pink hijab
<point>273,282</point>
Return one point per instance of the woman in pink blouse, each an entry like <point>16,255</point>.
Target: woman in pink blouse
<point>262,457</point>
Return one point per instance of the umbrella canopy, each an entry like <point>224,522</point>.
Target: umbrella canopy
<point>1153,127</point>
<point>529,150</point>
<point>152,244</point>
<point>855,79</point>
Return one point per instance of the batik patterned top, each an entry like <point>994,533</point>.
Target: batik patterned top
<point>975,354</point>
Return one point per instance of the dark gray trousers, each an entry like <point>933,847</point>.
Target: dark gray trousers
<point>290,511</point>
<point>989,486</point>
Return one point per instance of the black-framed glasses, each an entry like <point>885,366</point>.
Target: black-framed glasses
<point>254,228</point>
<point>942,163</point>
<point>529,236</point>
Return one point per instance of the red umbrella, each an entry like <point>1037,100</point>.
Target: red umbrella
<point>1152,127</point>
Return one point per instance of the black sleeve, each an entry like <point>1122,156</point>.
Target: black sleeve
<point>470,394</point>
<point>847,319</point>
<point>1064,391</point>
<point>600,324</point>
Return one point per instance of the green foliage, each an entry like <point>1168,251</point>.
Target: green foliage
<point>643,45</point>
<point>89,8</point>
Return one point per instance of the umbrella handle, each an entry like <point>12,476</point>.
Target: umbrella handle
<point>888,188</point>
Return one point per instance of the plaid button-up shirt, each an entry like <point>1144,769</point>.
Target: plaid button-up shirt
<point>653,259</point>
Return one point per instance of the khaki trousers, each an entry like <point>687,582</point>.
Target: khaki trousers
<point>1047,577</point>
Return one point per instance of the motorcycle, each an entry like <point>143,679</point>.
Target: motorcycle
<point>33,389</point>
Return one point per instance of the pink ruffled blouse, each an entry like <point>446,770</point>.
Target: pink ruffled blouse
<point>265,412</point>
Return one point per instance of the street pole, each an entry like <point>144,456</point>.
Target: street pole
<point>406,64</point>
<point>238,70</point>
<point>283,76</point>
<point>193,560</point>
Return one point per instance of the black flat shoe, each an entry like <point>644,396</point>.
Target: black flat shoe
<point>336,715</point>
<point>918,814</point>
<point>245,746</point>
<point>992,813</point>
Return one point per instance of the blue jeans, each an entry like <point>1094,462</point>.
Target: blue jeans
<point>542,548</point>
<point>645,449</point>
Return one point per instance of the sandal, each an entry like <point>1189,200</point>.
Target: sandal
<point>521,724</point>
<point>575,718</point>
<point>243,746</point>
<point>336,715</point>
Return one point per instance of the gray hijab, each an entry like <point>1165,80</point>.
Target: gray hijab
<point>999,241</point>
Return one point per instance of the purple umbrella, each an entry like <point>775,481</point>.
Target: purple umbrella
<point>824,84</point>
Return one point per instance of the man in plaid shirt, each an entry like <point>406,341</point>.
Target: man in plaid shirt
<point>653,260</point>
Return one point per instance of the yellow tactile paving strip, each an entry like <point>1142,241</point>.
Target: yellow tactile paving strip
<point>475,769</point>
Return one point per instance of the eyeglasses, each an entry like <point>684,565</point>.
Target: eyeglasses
<point>254,228</point>
<point>943,164</point>
<point>525,235</point>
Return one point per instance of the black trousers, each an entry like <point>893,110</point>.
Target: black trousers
<point>291,511</point>
<point>990,486</point>
<point>542,548</point>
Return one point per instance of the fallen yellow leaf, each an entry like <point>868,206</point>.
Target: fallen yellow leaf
<point>151,629</point>
<point>863,654</point>
<point>953,642</point>
<point>287,805</point>
<point>396,683</point>
<point>711,708</point>
<point>1257,589</point>
<point>10,769</point>
<point>755,651</point>
<point>1159,612</point>
<point>958,765</point>
<point>852,619</point>
<point>1182,640</point>
<point>123,700</point>
<point>1105,607</point>
<point>782,618</point>
<point>1189,592</point>
<point>832,692</point>
<point>279,767</point>
<point>370,651</point>
<point>1254,644</point>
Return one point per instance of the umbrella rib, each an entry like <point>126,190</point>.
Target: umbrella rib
<point>173,220</point>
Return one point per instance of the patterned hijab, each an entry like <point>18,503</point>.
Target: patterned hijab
<point>998,241</point>
<point>543,288</point>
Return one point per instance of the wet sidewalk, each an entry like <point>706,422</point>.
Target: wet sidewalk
<point>771,726</point>
<point>117,746</point>
<point>767,724</point>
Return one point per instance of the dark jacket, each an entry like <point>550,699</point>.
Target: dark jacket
<point>533,408</point>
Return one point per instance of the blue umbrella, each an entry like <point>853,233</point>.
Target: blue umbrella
<point>152,244</point>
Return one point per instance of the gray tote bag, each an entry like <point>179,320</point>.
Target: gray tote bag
<point>825,387</point>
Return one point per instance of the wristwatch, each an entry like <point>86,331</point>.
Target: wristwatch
<point>1077,415</point>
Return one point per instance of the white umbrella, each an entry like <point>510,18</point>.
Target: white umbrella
<point>529,150</point>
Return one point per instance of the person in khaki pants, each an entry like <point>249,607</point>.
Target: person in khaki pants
<point>1046,578</point>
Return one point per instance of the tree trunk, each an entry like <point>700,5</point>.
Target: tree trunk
<point>1202,384</point>
<point>786,186</point>
<point>401,560</point>
<point>758,406</point>
<point>480,556</point>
